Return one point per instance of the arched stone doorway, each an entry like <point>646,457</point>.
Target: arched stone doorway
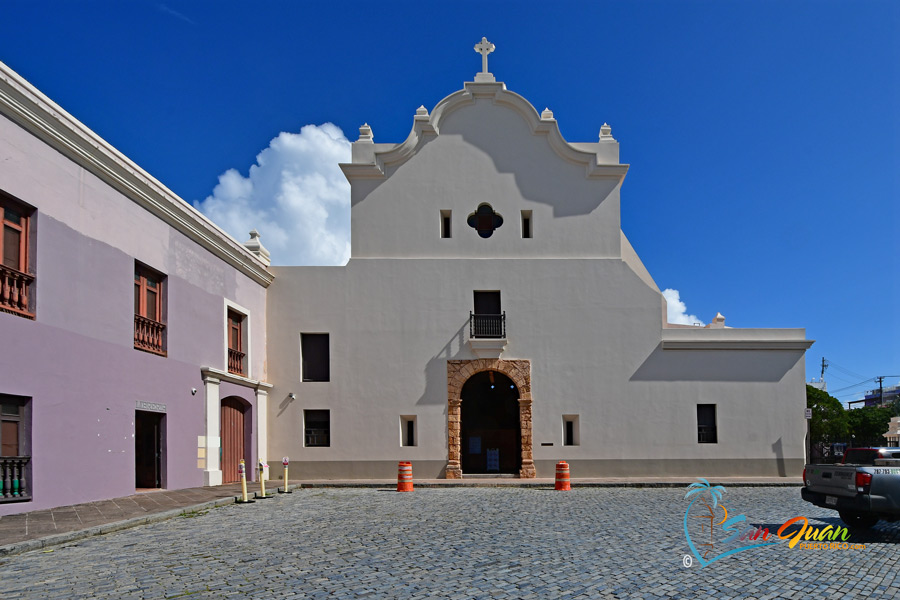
<point>490,436</point>
<point>235,438</point>
<point>459,372</point>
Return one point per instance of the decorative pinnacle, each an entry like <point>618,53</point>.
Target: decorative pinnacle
<point>547,114</point>
<point>422,111</point>
<point>255,246</point>
<point>365,133</point>
<point>606,133</point>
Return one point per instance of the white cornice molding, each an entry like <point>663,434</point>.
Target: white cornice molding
<point>27,106</point>
<point>737,345</point>
<point>695,338</point>
<point>209,372</point>
<point>430,125</point>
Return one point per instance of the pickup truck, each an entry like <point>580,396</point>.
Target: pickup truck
<point>864,488</point>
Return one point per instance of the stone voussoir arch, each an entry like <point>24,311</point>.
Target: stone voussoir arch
<point>458,372</point>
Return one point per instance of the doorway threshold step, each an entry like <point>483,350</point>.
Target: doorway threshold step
<point>490,476</point>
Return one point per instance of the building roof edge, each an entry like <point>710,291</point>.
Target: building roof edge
<point>27,106</point>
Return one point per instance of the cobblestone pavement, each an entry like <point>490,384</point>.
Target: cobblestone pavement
<point>457,543</point>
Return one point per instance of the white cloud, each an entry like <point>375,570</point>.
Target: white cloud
<point>676,310</point>
<point>295,195</point>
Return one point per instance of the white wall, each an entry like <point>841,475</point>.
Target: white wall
<point>487,153</point>
<point>590,327</point>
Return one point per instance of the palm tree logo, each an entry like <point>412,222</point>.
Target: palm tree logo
<point>709,497</point>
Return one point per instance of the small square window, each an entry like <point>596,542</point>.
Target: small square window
<point>706,424</point>
<point>446,231</point>
<point>314,358</point>
<point>570,430</point>
<point>408,430</point>
<point>317,428</point>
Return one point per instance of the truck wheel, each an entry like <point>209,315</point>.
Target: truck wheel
<point>858,520</point>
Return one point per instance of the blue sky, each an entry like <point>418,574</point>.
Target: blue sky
<point>763,137</point>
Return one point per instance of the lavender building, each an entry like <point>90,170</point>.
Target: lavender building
<point>134,327</point>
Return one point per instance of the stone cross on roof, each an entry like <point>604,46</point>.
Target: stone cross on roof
<point>484,48</point>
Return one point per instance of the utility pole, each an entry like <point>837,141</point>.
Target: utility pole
<point>880,390</point>
<point>823,387</point>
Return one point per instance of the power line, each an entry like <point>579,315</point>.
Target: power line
<point>844,370</point>
<point>842,377</point>
<point>863,382</point>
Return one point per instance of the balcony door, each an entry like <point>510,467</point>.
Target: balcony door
<point>488,319</point>
<point>487,303</point>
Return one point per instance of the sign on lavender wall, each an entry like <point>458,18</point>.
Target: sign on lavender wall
<point>151,406</point>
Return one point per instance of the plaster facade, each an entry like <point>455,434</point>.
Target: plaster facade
<point>580,310</point>
<point>75,368</point>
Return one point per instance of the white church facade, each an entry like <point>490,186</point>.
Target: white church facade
<point>494,319</point>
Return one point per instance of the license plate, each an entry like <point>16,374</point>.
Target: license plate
<point>831,500</point>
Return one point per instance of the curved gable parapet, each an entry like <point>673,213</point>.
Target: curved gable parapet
<point>369,161</point>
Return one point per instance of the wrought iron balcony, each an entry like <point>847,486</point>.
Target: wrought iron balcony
<point>13,486</point>
<point>487,326</point>
<point>706,434</point>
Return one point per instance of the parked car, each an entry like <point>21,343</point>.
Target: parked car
<point>863,489</point>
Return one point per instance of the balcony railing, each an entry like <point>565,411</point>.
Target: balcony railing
<point>235,362</point>
<point>316,437</point>
<point>148,335</point>
<point>14,288</point>
<point>487,326</point>
<point>13,486</point>
<point>706,434</point>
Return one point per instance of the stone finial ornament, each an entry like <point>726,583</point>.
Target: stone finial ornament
<point>365,133</point>
<point>606,133</point>
<point>256,247</point>
<point>484,48</point>
<point>547,114</point>
<point>422,111</point>
<point>718,322</point>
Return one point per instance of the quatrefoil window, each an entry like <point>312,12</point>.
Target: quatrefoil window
<point>484,220</point>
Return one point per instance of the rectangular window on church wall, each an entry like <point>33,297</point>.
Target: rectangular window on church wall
<point>408,430</point>
<point>570,430</point>
<point>446,232</point>
<point>706,424</point>
<point>317,428</point>
<point>314,358</point>
<point>526,224</point>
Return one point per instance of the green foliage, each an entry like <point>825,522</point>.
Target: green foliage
<point>829,419</point>
<point>869,424</point>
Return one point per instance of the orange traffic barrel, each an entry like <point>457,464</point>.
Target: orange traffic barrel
<point>562,476</point>
<point>404,477</point>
